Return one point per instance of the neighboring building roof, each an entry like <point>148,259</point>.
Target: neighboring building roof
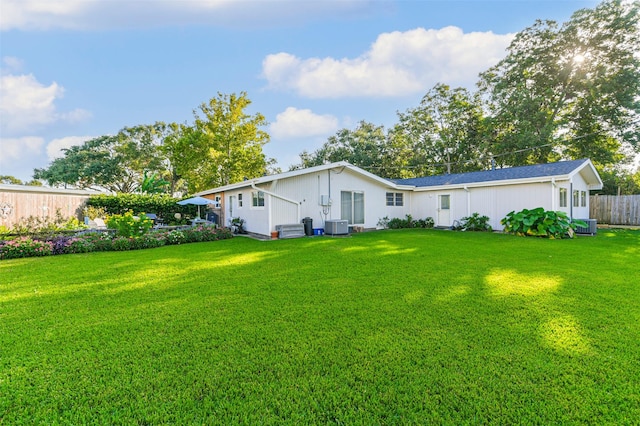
<point>46,190</point>
<point>560,169</point>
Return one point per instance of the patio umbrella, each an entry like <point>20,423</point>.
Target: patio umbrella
<point>199,201</point>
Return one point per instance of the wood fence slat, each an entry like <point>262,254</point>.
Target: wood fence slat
<point>615,209</point>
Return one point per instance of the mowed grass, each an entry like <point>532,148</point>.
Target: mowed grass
<point>390,327</point>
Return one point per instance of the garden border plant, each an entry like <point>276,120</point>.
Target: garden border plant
<point>539,222</point>
<point>475,222</point>
<point>407,223</point>
<point>96,241</point>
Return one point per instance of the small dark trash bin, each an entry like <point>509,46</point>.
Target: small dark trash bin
<point>308,226</point>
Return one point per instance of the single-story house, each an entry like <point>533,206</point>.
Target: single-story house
<point>343,191</point>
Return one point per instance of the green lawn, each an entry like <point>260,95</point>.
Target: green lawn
<point>390,327</point>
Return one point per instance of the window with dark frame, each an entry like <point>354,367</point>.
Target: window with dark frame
<point>257,198</point>
<point>395,199</point>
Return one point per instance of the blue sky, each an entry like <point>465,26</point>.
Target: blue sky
<point>76,69</point>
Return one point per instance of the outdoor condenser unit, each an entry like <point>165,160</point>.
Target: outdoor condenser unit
<point>591,228</point>
<point>336,227</point>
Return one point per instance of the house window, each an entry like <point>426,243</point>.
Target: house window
<point>239,200</point>
<point>257,199</point>
<point>583,198</point>
<point>576,198</point>
<point>563,197</point>
<point>395,199</point>
<point>352,207</point>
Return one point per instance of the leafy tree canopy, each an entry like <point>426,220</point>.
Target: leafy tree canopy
<point>571,90</point>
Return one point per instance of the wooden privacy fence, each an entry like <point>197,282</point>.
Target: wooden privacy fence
<point>615,209</point>
<point>18,202</point>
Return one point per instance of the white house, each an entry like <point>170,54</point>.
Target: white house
<point>343,191</point>
<point>562,186</point>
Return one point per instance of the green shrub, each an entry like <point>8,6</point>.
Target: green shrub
<point>540,223</point>
<point>80,245</point>
<point>46,225</point>
<point>175,237</point>
<point>121,243</point>
<point>162,205</point>
<point>24,247</point>
<point>128,225</point>
<point>475,222</point>
<point>93,212</point>
<point>151,240</point>
<point>407,222</point>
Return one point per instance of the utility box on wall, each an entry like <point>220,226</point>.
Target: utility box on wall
<point>336,227</point>
<point>325,200</point>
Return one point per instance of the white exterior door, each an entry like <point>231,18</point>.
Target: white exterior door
<point>444,210</point>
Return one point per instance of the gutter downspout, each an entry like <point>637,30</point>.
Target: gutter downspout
<point>553,194</point>
<point>468,200</point>
<point>570,200</point>
<point>289,200</point>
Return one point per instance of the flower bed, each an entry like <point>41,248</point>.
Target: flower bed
<point>100,241</point>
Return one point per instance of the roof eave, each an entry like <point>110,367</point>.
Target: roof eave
<point>504,182</point>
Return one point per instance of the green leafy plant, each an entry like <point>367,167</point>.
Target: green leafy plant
<point>45,225</point>
<point>93,212</point>
<point>153,184</point>
<point>540,223</point>
<point>475,222</point>
<point>25,247</point>
<point>407,222</point>
<point>122,243</point>
<point>162,205</point>
<point>128,225</point>
<point>175,237</point>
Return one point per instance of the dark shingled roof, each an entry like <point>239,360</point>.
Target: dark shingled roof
<point>539,170</point>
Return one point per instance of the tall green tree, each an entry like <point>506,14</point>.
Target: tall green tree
<point>92,165</point>
<point>366,146</point>
<point>569,91</point>
<point>117,163</point>
<point>225,144</point>
<point>11,180</point>
<point>445,132</point>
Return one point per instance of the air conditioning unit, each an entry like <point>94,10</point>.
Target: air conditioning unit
<point>591,228</point>
<point>336,227</point>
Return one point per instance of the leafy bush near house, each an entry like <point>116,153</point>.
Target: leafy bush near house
<point>540,223</point>
<point>128,225</point>
<point>475,222</point>
<point>407,222</point>
<point>162,205</point>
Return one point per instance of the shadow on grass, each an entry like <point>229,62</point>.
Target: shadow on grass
<point>415,326</point>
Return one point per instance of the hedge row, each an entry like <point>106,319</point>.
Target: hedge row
<point>162,205</point>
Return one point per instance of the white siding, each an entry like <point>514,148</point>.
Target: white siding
<point>494,201</point>
<point>307,190</point>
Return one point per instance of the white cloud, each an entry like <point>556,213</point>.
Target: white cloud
<point>300,123</point>
<point>55,147</point>
<point>17,150</point>
<point>26,103</point>
<point>91,15</point>
<point>11,64</point>
<point>397,64</point>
